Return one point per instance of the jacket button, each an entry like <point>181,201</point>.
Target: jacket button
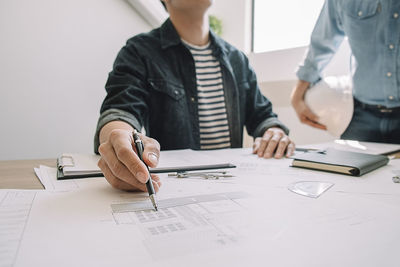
<point>192,99</point>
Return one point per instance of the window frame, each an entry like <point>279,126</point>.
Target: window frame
<point>267,72</point>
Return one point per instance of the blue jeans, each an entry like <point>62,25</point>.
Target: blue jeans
<point>374,124</point>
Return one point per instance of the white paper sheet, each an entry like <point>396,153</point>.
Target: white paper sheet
<point>186,225</point>
<point>355,223</point>
<point>356,146</point>
<point>15,206</point>
<point>48,177</point>
<point>80,228</point>
<point>276,172</point>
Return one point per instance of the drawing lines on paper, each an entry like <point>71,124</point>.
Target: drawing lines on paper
<point>15,207</point>
<point>188,224</point>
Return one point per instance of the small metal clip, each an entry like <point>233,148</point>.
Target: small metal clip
<point>205,175</point>
<point>65,161</point>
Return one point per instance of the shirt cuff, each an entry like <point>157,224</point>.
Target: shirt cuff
<point>268,123</point>
<point>308,74</point>
<point>113,115</point>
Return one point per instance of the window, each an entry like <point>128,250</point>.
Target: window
<point>283,24</point>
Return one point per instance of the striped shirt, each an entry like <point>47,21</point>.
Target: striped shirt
<point>213,120</point>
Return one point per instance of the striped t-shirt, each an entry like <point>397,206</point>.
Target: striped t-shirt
<point>213,120</point>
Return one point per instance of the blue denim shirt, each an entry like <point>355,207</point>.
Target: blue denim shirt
<point>153,85</point>
<point>373,31</point>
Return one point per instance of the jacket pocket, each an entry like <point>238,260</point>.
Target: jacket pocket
<point>362,9</point>
<point>171,89</point>
<point>360,21</point>
<point>168,110</point>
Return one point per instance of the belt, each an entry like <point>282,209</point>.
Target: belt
<point>379,108</point>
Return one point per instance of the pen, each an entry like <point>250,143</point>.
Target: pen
<point>320,151</point>
<point>149,184</point>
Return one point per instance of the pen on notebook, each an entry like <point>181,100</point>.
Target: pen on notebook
<point>300,149</point>
<point>149,184</point>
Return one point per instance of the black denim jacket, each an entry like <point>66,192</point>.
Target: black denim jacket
<point>153,85</point>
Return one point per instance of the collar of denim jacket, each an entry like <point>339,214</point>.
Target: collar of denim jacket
<point>170,37</point>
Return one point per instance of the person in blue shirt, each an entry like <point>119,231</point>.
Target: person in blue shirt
<point>373,31</point>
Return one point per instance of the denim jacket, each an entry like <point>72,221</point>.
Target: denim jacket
<point>373,31</point>
<point>153,85</point>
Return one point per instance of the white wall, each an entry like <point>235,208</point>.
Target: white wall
<point>55,58</point>
<point>281,65</point>
<point>236,21</point>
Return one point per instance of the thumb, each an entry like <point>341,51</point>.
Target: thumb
<point>151,153</point>
<point>152,159</point>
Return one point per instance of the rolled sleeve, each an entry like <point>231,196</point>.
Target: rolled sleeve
<point>113,115</point>
<point>325,40</point>
<point>308,74</point>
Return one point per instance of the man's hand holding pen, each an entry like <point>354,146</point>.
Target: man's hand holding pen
<point>121,164</point>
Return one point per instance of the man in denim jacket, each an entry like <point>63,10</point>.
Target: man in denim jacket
<point>373,31</point>
<point>188,89</point>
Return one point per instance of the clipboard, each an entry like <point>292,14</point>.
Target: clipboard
<point>72,166</point>
<point>75,166</point>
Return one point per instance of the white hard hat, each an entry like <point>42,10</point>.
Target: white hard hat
<point>331,100</point>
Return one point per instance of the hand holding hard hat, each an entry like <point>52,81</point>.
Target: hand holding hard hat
<point>331,100</point>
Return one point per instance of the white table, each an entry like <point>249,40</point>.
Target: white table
<point>354,223</point>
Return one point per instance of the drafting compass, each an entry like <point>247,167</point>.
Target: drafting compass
<point>214,175</point>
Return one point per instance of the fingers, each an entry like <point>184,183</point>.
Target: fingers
<point>122,146</point>
<point>122,185</point>
<point>308,117</point>
<point>312,123</point>
<point>290,149</point>
<point>304,113</point>
<point>307,113</point>
<point>274,143</point>
<point>264,143</point>
<point>282,145</point>
<point>156,182</point>
<point>122,167</point>
<point>311,119</point>
<point>256,145</point>
<point>116,182</point>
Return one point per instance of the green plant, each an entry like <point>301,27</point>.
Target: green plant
<point>215,24</point>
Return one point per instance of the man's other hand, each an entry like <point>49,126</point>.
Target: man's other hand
<point>304,113</point>
<point>274,143</point>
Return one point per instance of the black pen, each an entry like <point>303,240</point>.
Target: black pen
<point>149,184</point>
<point>315,150</point>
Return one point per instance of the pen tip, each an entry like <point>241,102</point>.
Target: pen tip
<point>154,202</point>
